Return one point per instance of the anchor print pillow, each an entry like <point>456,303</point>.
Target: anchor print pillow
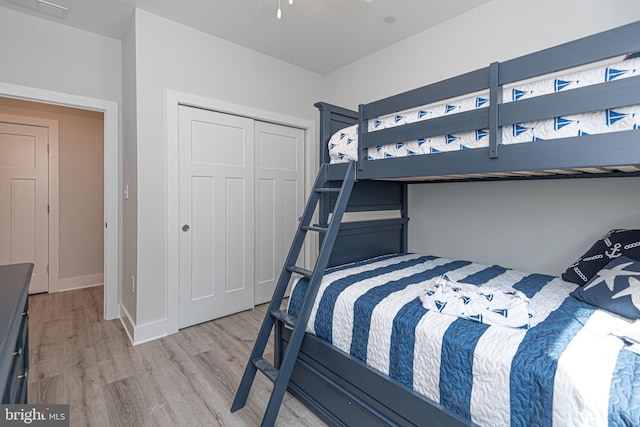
<point>612,245</point>
<point>615,288</point>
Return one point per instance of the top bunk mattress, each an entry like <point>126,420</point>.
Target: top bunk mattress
<point>343,145</point>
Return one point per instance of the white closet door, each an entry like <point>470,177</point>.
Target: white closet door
<point>279,200</point>
<point>217,190</point>
<point>24,195</point>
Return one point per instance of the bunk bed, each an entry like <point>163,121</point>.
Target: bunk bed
<point>401,140</point>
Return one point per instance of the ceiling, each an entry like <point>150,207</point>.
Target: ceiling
<point>318,35</point>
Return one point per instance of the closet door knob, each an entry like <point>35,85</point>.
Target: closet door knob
<point>185,227</point>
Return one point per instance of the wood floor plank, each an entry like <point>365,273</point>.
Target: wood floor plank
<point>50,390</point>
<point>185,379</point>
<point>124,400</point>
<point>163,416</point>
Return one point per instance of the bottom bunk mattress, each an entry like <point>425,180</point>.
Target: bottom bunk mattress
<point>563,368</point>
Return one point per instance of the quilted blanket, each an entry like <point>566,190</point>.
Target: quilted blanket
<point>565,369</point>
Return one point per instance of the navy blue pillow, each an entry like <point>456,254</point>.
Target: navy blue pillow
<point>615,288</point>
<point>612,245</point>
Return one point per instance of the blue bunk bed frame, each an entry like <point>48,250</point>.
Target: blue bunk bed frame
<point>342,389</point>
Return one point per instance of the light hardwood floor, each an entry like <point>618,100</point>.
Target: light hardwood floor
<point>185,379</point>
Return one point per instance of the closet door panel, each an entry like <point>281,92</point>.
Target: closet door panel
<point>217,208</point>
<point>280,200</point>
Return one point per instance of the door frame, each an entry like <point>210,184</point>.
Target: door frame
<point>112,214</point>
<point>52,190</point>
<point>176,99</point>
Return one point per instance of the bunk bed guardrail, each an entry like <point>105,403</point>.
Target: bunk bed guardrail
<point>572,152</point>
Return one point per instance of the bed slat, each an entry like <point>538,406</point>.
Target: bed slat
<point>473,81</point>
<point>597,47</point>
<point>599,97</point>
<point>460,122</point>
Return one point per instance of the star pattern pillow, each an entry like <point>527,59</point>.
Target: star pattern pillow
<point>615,288</point>
<point>612,245</point>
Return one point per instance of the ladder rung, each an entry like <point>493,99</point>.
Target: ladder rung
<point>301,271</point>
<point>266,368</point>
<point>282,315</point>
<point>314,228</point>
<point>281,375</point>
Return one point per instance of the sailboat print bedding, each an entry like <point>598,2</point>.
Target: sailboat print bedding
<point>562,367</point>
<point>343,145</point>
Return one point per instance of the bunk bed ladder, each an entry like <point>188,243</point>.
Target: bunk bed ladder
<point>281,374</point>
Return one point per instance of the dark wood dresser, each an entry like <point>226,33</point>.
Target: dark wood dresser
<point>14,334</point>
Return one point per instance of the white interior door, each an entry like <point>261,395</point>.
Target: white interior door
<point>24,229</point>
<point>279,200</point>
<point>217,180</point>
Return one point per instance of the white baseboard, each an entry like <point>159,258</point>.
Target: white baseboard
<point>80,282</point>
<point>139,334</point>
<point>127,322</point>
<point>150,331</point>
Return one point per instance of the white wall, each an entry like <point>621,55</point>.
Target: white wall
<point>79,68</point>
<point>129,171</point>
<point>497,31</point>
<point>534,226</point>
<point>172,56</point>
<point>47,55</point>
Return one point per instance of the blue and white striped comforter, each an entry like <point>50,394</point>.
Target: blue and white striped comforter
<point>565,370</point>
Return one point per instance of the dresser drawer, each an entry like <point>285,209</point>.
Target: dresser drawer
<point>14,332</point>
<point>16,384</point>
<point>17,377</point>
<point>23,340</point>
